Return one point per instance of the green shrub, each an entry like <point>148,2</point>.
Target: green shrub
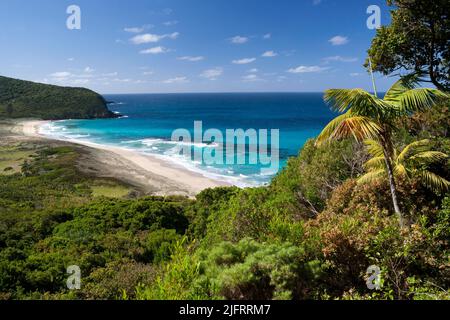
<point>177,280</point>
<point>251,270</point>
<point>159,245</point>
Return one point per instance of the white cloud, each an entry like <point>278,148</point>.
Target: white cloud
<point>154,50</point>
<point>239,40</point>
<point>147,73</point>
<point>317,2</point>
<point>212,74</point>
<point>338,40</point>
<point>176,80</point>
<point>254,70</point>
<point>67,78</point>
<point>121,80</point>
<point>244,61</point>
<point>251,78</point>
<point>134,30</point>
<point>267,36</point>
<point>170,23</point>
<point>173,36</point>
<point>355,74</point>
<point>339,59</point>
<point>269,54</point>
<point>138,29</point>
<point>152,38</point>
<point>84,77</point>
<point>71,59</point>
<point>61,74</point>
<point>306,69</point>
<point>192,59</point>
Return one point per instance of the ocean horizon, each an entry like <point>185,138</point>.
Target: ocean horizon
<point>148,121</point>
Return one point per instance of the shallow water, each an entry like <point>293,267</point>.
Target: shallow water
<point>149,121</point>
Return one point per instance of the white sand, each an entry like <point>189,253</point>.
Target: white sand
<point>172,174</point>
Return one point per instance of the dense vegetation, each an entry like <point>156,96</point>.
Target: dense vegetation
<point>311,234</point>
<point>372,120</point>
<point>25,99</point>
<point>51,216</point>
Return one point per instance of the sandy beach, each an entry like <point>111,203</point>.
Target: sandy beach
<point>154,175</point>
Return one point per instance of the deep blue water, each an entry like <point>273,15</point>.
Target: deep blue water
<point>150,120</point>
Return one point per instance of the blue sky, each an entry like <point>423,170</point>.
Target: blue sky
<point>139,46</point>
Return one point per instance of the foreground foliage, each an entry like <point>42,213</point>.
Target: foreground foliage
<point>367,117</point>
<point>311,234</point>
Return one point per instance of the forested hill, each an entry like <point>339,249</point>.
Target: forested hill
<point>25,99</point>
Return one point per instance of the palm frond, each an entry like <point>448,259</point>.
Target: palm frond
<point>434,181</point>
<point>430,156</point>
<point>359,101</point>
<point>375,163</point>
<point>400,170</point>
<point>419,99</point>
<point>331,127</point>
<point>374,148</point>
<point>348,125</point>
<point>404,84</point>
<point>371,176</point>
<point>415,147</point>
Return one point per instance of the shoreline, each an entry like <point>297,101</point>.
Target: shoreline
<point>166,178</point>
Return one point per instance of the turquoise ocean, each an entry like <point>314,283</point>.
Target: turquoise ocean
<point>148,121</point>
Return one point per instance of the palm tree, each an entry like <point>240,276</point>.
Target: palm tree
<point>413,161</point>
<point>365,116</point>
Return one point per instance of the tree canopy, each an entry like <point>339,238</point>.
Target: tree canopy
<point>417,40</point>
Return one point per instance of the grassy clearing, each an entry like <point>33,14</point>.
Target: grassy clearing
<point>12,157</point>
<point>110,191</point>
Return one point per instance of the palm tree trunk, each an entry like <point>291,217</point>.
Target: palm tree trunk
<point>393,186</point>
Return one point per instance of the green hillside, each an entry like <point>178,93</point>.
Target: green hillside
<point>25,99</point>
